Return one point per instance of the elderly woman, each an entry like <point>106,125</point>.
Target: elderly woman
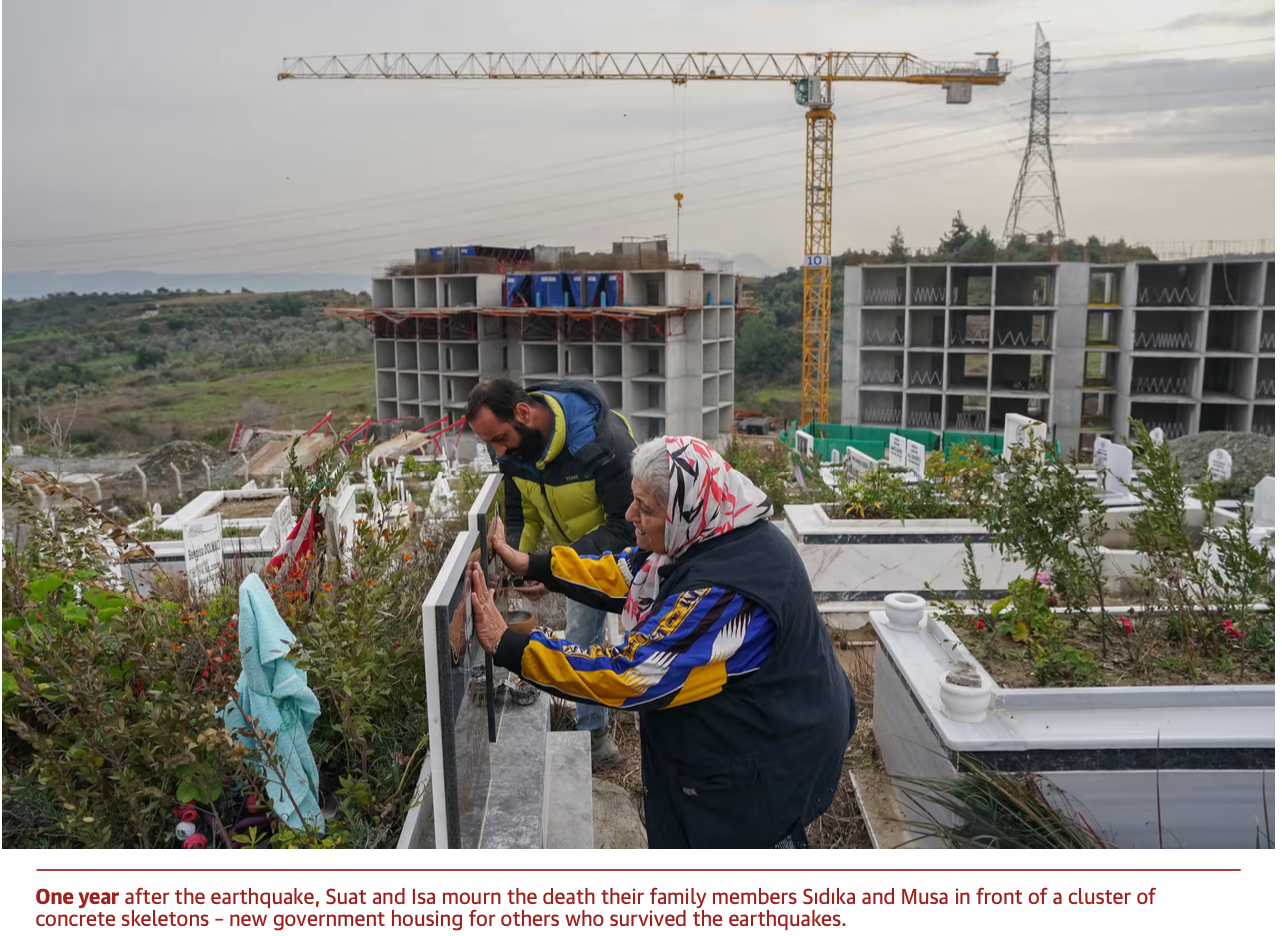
<point>745,711</point>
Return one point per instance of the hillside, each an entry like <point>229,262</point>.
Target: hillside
<point>189,369</point>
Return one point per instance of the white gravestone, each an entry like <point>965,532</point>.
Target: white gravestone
<point>1100,457</point>
<point>897,451</point>
<point>1220,464</point>
<point>1157,435</point>
<point>1262,515</point>
<point>1018,430</point>
<point>857,463</point>
<point>281,523</point>
<point>804,443</point>
<point>203,550</point>
<point>1117,467</point>
<point>915,459</point>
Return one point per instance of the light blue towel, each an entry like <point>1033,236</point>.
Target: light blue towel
<point>274,691</point>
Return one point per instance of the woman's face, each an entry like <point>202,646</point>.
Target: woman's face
<point>648,516</point>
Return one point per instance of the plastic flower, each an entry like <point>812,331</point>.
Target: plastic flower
<point>1126,624</point>
<point>195,840</point>
<point>1231,630</point>
<point>251,803</point>
<point>326,586</point>
<point>406,557</point>
<point>1044,578</point>
<point>177,647</point>
<point>188,814</point>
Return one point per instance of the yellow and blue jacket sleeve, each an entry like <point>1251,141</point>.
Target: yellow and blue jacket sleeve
<point>688,649</point>
<point>597,581</point>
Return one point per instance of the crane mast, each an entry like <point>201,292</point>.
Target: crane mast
<point>812,75</point>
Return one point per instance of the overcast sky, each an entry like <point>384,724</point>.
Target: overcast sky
<point>154,135</point>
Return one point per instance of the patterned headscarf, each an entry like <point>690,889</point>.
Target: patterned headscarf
<point>706,498</point>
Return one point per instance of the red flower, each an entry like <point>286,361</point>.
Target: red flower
<point>183,807</point>
<point>195,840</point>
<point>1126,624</point>
<point>978,622</point>
<point>189,814</point>
<point>251,803</point>
<point>1231,630</point>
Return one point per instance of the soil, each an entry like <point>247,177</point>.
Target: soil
<point>248,508</point>
<point>1132,660</point>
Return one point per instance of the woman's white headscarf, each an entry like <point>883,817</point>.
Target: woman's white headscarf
<point>706,498</point>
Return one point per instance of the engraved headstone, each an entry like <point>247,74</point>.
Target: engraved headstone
<point>1100,457</point>
<point>915,459</point>
<point>1019,430</point>
<point>804,443</point>
<point>857,463</point>
<point>203,550</point>
<point>897,451</point>
<point>1220,464</point>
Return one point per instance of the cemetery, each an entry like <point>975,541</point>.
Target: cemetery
<point>1091,625</point>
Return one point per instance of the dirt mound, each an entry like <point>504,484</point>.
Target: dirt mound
<point>1252,454</point>
<point>189,457</point>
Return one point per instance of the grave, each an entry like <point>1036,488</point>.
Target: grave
<point>1262,511</point>
<point>1100,455</point>
<point>1118,472</point>
<point>1220,464</point>
<point>1019,430</point>
<point>858,464</point>
<point>897,451</point>
<point>804,443</point>
<point>915,459</point>
<point>495,776</point>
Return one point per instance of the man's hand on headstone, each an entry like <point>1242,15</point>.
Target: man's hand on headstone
<point>517,562</point>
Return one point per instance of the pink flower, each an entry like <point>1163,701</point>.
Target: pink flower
<point>189,814</point>
<point>1126,624</point>
<point>195,840</point>
<point>1231,630</point>
<point>1044,578</point>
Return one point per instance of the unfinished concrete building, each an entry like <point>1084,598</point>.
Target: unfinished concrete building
<point>1187,346</point>
<point>661,350</point>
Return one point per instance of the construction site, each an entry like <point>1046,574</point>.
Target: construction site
<point>656,335</point>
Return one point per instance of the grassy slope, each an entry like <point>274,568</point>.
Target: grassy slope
<point>134,413</point>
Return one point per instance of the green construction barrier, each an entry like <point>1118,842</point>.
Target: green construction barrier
<point>923,437</point>
<point>990,440</point>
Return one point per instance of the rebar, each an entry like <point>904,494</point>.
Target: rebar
<point>1266,341</point>
<point>873,337</point>
<point>1164,341</point>
<point>1264,387</point>
<point>884,296</point>
<point>929,295</point>
<point>924,419</point>
<point>1161,385</point>
<point>969,420</point>
<point>879,415</point>
<point>1166,296</point>
<point>888,376</point>
<point>925,379</point>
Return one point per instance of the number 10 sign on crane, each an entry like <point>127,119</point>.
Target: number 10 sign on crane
<point>812,75</point>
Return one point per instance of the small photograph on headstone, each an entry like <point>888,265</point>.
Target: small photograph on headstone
<point>1100,458</point>
<point>1021,430</point>
<point>804,443</point>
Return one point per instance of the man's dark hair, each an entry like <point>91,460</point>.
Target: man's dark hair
<point>500,395</point>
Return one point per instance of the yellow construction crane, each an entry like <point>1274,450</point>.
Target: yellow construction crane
<point>812,75</point>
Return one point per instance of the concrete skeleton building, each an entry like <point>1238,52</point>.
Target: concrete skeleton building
<point>663,356</point>
<point>1187,346</point>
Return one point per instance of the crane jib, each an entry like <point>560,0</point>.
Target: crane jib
<point>812,75</point>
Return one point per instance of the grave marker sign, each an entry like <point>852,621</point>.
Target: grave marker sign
<point>1019,430</point>
<point>1263,511</point>
<point>804,443</point>
<point>897,451</point>
<point>915,459</point>
<point>203,550</point>
<point>1117,467</point>
<point>1100,457</point>
<point>1220,464</point>
<point>857,463</point>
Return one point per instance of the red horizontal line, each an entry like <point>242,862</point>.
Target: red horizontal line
<point>187,869</point>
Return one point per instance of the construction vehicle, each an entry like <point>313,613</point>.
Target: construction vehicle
<point>812,75</point>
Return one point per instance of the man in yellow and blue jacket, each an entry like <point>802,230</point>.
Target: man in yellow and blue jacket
<point>565,460</point>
